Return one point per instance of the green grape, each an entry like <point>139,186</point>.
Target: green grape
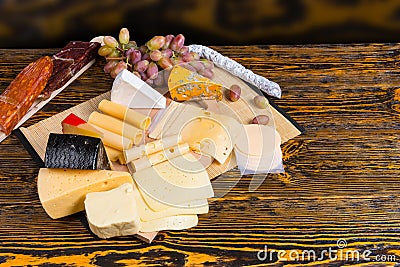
<point>110,41</point>
<point>123,36</point>
<point>114,54</point>
<point>131,44</point>
<point>155,43</point>
<point>105,51</point>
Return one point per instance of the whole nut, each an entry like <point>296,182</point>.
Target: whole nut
<point>260,119</point>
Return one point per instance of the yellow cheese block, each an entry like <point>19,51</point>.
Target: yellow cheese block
<point>62,191</point>
<point>184,84</point>
<point>112,153</point>
<point>113,213</point>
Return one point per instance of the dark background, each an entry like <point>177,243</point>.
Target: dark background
<point>52,23</point>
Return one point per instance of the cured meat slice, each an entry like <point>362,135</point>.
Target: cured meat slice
<point>70,60</point>
<point>22,92</point>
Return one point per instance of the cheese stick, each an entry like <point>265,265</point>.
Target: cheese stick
<point>123,113</point>
<point>112,153</point>
<point>158,157</point>
<point>116,126</point>
<point>151,147</point>
<point>114,140</point>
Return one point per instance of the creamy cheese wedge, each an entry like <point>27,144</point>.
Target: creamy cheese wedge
<point>114,212</point>
<point>62,191</point>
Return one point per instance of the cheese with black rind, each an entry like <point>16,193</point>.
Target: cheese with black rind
<point>75,152</point>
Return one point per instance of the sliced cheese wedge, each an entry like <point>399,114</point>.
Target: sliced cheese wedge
<point>170,183</point>
<point>178,222</point>
<point>114,212</point>
<point>147,214</point>
<point>62,191</point>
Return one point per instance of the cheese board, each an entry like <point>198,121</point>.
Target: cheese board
<point>152,143</point>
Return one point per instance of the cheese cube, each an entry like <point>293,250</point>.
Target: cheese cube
<point>113,213</point>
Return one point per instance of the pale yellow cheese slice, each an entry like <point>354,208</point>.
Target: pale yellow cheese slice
<point>177,222</point>
<point>170,183</point>
<point>62,191</point>
<point>147,214</point>
<point>114,212</point>
<point>206,132</point>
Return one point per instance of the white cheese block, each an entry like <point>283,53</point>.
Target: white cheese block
<point>178,222</point>
<point>258,150</point>
<point>147,214</point>
<point>170,183</point>
<point>62,191</point>
<point>130,91</point>
<point>114,212</point>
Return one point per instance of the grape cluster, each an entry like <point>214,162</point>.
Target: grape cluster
<point>149,60</point>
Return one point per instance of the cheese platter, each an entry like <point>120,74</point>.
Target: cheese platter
<point>148,149</point>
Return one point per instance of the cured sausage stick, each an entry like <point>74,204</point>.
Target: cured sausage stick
<point>22,92</point>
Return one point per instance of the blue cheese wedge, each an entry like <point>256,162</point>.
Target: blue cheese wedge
<point>113,213</point>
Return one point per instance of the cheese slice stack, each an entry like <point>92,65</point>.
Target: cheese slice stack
<point>258,150</point>
<point>206,132</point>
<point>184,85</point>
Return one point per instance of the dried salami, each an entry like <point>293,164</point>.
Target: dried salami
<point>19,96</point>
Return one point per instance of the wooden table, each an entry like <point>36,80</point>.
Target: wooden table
<point>339,193</point>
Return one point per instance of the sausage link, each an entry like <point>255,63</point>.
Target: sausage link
<point>19,96</point>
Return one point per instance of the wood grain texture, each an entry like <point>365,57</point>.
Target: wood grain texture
<point>341,179</point>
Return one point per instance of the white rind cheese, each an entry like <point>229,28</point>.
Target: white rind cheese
<point>132,92</point>
<point>113,213</point>
<point>62,191</point>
